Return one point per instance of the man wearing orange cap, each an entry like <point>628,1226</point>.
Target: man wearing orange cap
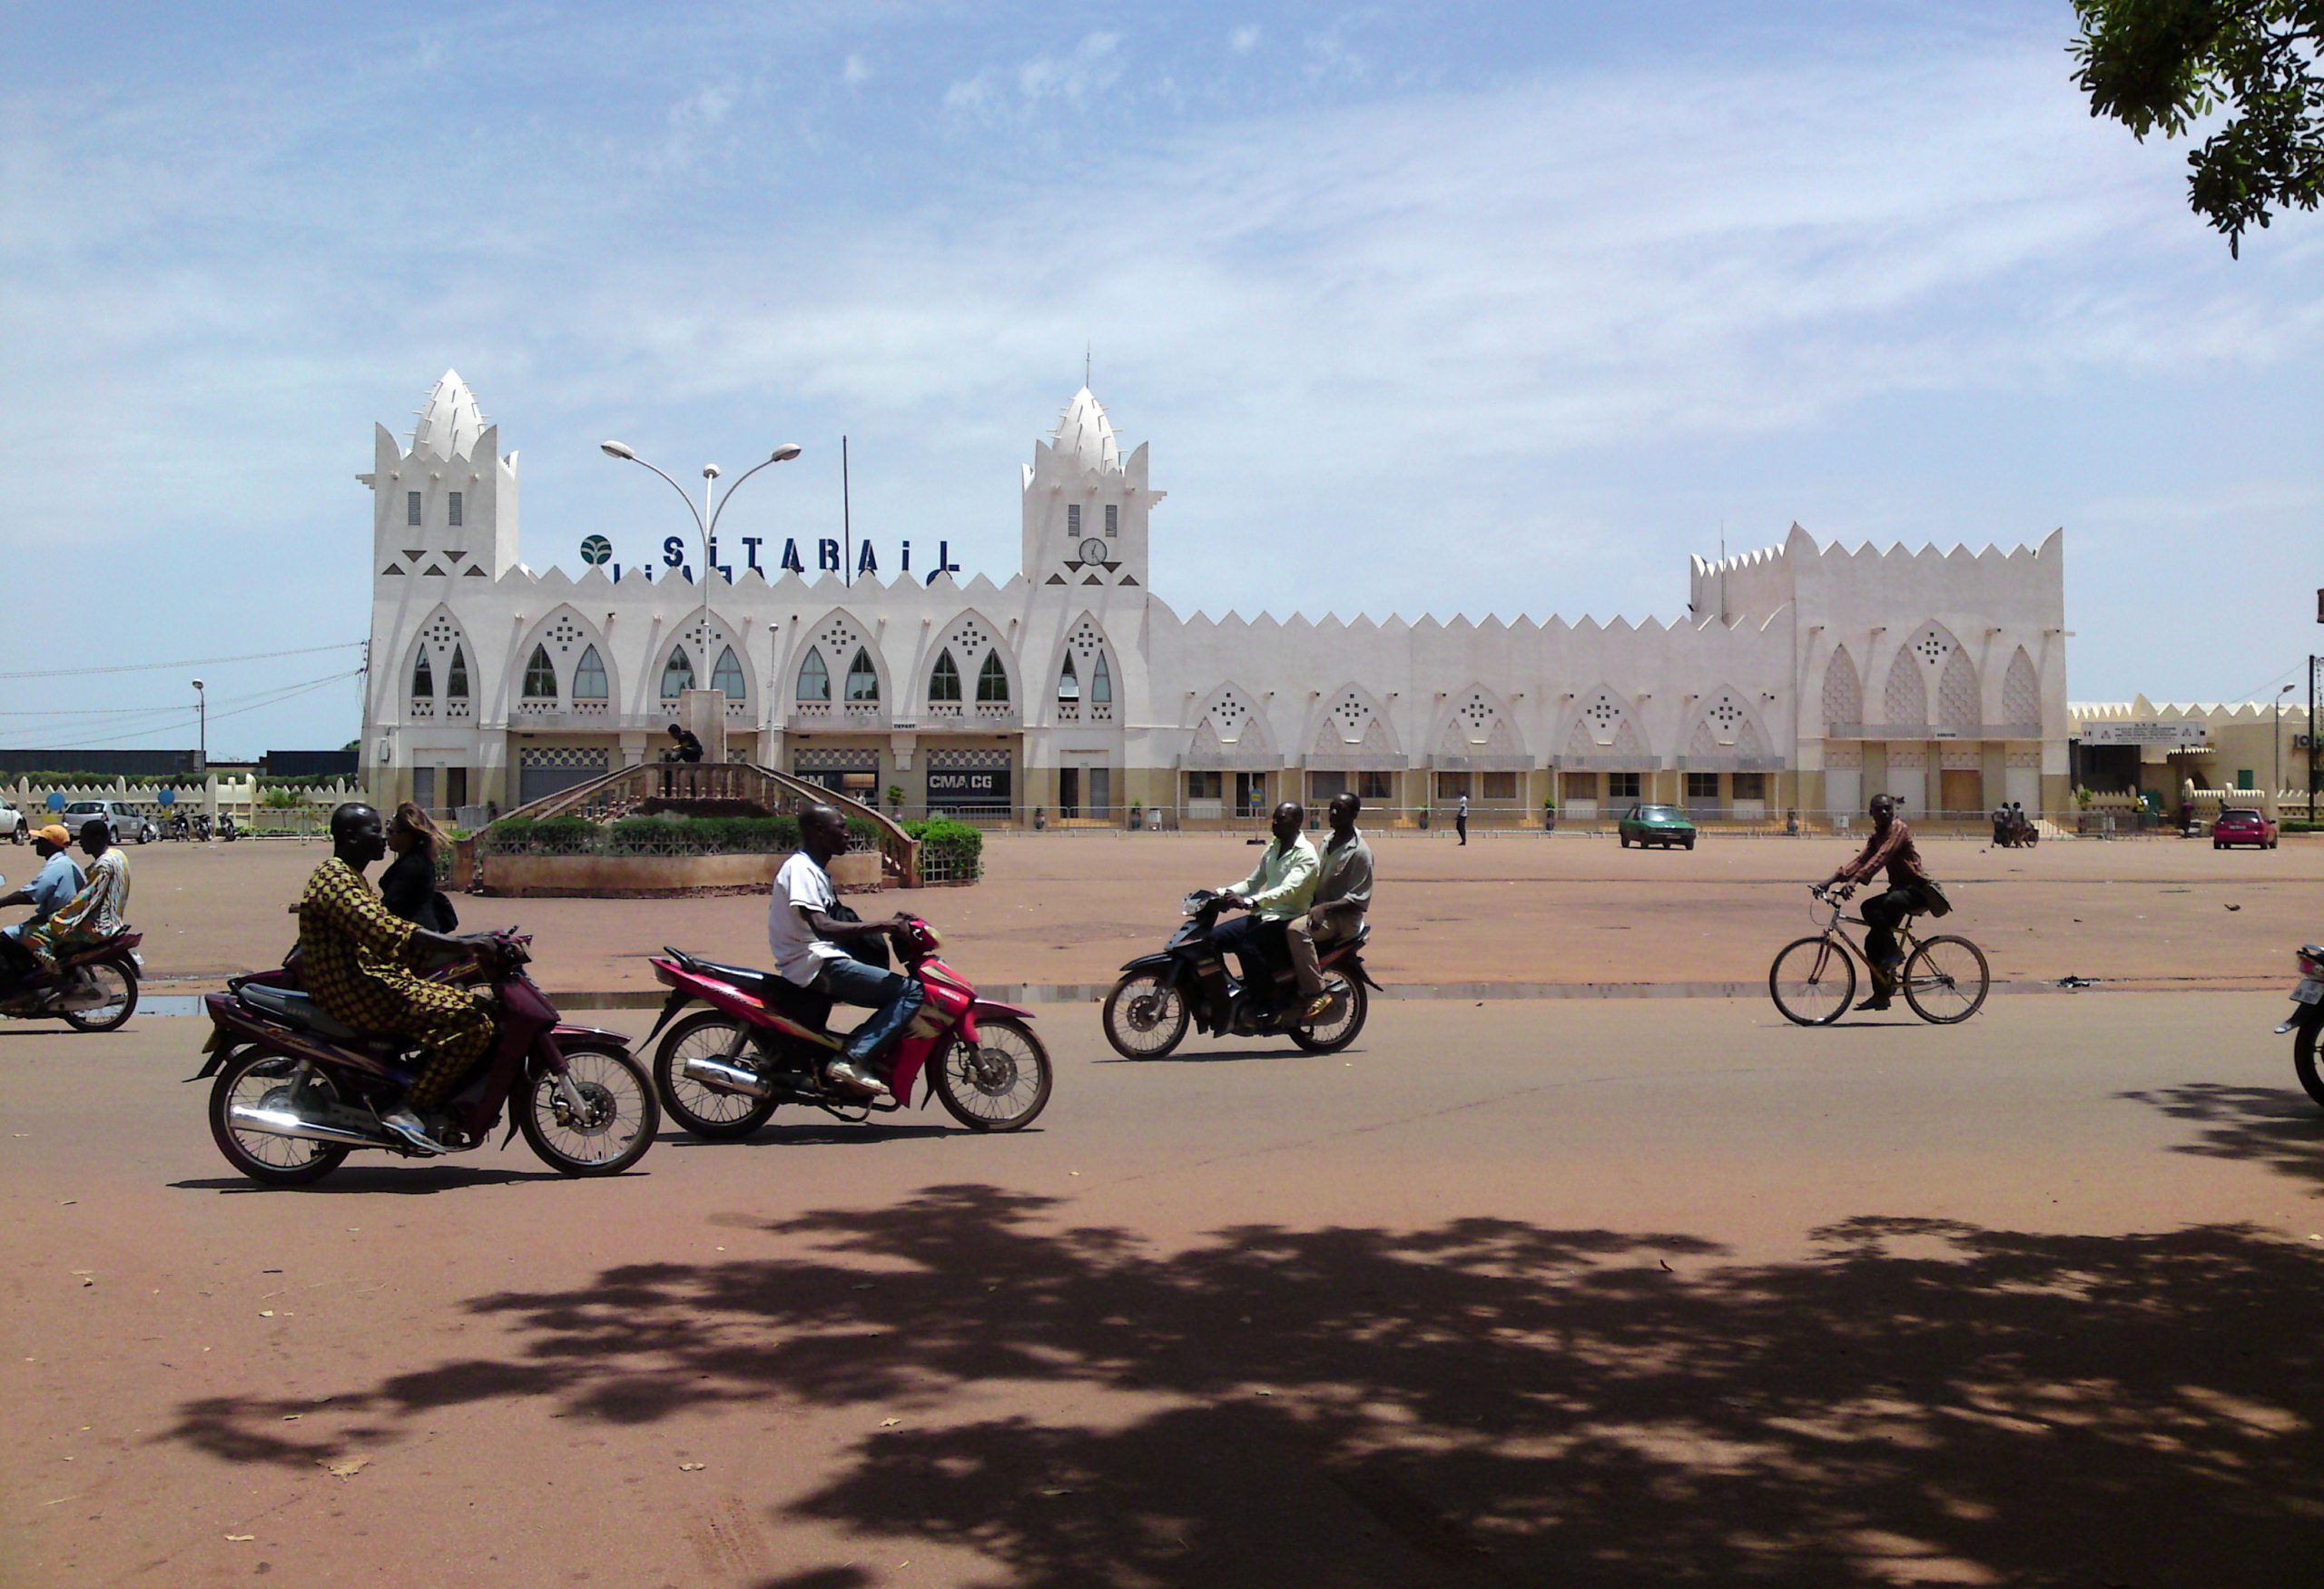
<point>51,888</point>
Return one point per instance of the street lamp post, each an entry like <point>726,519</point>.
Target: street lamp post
<point>707,525</point>
<point>202,757</point>
<point>2276,799</point>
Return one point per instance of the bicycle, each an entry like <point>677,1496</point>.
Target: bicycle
<point>1813,980</point>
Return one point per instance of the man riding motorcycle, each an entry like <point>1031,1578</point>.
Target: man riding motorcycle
<point>1279,888</point>
<point>359,959</point>
<point>810,951</point>
<point>92,915</point>
<point>51,889</point>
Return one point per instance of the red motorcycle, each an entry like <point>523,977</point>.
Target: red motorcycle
<point>723,1071</point>
<point>297,1091</point>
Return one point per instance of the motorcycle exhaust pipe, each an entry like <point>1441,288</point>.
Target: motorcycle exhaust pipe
<point>281,1122</point>
<point>721,1077</point>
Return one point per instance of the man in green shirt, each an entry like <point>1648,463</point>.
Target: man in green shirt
<point>1277,890</point>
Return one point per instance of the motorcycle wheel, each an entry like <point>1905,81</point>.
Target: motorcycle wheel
<point>1330,1036</point>
<point>2303,1060</point>
<point>617,1127</point>
<point>620,1119</point>
<point>1000,1084</point>
<point>262,1078</point>
<point>717,1117</point>
<point>118,985</point>
<point>1143,1019</point>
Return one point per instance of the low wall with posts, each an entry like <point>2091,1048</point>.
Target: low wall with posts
<point>260,809</point>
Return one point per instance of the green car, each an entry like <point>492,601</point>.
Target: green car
<point>1656,825</point>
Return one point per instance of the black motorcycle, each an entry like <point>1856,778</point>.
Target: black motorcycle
<point>2306,1019</point>
<point>1188,984</point>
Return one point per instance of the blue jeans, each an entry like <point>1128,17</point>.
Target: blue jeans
<point>896,998</point>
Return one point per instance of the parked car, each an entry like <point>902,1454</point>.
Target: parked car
<point>1656,825</point>
<point>12,823</point>
<point>2243,825</point>
<point>121,820</point>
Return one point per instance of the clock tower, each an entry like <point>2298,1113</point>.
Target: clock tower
<point>1086,508</point>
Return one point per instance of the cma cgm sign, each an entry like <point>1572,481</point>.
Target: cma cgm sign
<point>828,559</point>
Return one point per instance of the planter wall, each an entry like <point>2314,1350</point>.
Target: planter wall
<point>639,876</point>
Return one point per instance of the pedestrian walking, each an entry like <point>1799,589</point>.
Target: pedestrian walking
<point>1461,819</point>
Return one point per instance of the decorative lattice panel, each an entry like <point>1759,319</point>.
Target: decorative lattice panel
<point>1906,695</point>
<point>1932,645</point>
<point>1602,713</point>
<point>1956,693</point>
<point>1704,741</point>
<point>1629,741</point>
<point>2021,691</point>
<point>563,634</point>
<point>1229,715</point>
<point>1476,714</point>
<point>1843,691</point>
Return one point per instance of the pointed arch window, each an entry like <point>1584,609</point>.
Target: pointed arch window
<point>1101,682</point>
<point>814,677</point>
<point>863,679</point>
<point>540,677</point>
<point>456,677</point>
<point>589,682</point>
<point>1068,683</point>
<point>728,676</point>
<point>423,678</point>
<point>944,678</point>
<point>677,674</point>
<point>992,679</point>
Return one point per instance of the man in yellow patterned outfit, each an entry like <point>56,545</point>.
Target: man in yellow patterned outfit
<point>357,959</point>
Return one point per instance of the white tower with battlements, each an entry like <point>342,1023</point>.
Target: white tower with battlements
<point>1086,509</point>
<point>448,507</point>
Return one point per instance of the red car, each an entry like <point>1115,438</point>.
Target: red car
<point>2238,824</point>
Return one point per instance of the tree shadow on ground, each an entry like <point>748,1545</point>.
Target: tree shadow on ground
<point>2276,1126</point>
<point>1484,1402</point>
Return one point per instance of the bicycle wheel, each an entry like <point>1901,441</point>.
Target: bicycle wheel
<point>1812,981</point>
<point>1946,980</point>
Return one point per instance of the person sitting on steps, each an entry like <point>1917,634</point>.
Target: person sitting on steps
<point>1890,846</point>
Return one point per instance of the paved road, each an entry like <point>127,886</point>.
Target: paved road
<point>1513,1295</point>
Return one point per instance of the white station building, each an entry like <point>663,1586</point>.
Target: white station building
<point>1807,677</point>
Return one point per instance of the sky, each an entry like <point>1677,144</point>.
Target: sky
<point>1470,308</point>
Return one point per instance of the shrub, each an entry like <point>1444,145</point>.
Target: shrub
<point>948,849</point>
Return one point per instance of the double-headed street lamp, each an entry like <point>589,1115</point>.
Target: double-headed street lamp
<point>707,526</point>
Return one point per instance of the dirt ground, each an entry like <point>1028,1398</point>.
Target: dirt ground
<point>1522,1293</point>
<point>1508,909</point>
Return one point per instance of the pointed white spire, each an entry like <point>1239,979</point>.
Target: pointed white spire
<point>449,421</point>
<point>1084,433</point>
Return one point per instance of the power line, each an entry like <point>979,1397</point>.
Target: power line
<point>186,716</point>
<point>188,662</point>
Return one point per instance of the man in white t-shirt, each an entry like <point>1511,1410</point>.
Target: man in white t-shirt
<point>810,951</point>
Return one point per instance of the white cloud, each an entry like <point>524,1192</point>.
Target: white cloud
<point>857,70</point>
<point>1245,39</point>
<point>1094,66</point>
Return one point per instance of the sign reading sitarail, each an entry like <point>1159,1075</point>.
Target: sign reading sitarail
<point>2145,731</point>
<point>597,551</point>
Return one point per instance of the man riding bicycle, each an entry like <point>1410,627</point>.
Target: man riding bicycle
<point>1910,889</point>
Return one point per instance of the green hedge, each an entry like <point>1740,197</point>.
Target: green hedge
<point>948,848</point>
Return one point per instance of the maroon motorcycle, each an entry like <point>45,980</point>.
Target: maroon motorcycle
<point>297,1091</point>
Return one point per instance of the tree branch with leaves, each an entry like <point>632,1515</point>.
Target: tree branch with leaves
<point>2174,64</point>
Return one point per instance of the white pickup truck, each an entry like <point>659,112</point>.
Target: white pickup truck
<point>12,823</point>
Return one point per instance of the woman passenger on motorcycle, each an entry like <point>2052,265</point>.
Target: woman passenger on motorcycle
<point>94,913</point>
<point>408,887</point>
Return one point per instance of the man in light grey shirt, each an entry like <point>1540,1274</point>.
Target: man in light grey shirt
<point>1343,893</point>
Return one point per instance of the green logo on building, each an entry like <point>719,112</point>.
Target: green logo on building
<point>597,551</point>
